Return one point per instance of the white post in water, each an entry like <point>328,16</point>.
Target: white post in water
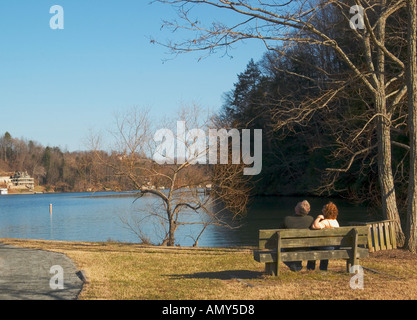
<point>50,208</point>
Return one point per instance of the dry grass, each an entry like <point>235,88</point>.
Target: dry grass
<point>118,271</point>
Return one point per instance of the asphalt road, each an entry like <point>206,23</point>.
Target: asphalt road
<point>30,274</point>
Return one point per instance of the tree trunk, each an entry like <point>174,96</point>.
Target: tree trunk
<point>171,234</point>
<point>172,227</point>
<point>386,180</point>
<point>411,231</point>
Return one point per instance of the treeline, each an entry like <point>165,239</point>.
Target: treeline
<point>55,169</point>
<point>318,120</point>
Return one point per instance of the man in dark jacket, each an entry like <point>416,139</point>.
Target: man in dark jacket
<point>301,220</point>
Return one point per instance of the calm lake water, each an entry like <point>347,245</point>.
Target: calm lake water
<point>97,217</point>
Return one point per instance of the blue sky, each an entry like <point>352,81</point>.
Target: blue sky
<point>57,85</point>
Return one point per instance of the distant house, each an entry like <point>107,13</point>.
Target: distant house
<point>22,180</point>
<point>3,191</point>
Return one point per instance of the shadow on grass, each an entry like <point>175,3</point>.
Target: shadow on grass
<point>221,275</point>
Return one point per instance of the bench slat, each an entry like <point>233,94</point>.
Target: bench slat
<point>312,242</point>
<point>266,237</point>
<point>307,233</point>
<point>345,253</point>
<point>310,238</point>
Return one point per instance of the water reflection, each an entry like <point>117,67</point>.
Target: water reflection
<point>81,217</point>
<point>269,213</point>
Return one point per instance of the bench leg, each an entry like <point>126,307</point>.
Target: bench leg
<point>354,260</point>
<point>271,268</point>
<point>278,254</point>
<point>349,264</point>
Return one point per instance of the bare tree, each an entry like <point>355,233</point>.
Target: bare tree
<point>280,24</point>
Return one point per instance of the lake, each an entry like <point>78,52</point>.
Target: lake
<point>98,217</point>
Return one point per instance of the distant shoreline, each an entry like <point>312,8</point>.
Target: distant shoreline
<point>121,193</point>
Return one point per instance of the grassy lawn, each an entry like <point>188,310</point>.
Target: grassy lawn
<point>120,271</point>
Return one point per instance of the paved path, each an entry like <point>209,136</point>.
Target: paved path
<point>30,274</point>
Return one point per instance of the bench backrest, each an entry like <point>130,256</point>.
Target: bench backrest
<point>304,238</point>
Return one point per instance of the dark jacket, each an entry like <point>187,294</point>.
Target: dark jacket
<point>297,222</point>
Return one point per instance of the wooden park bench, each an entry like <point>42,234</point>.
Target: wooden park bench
<point>304,244</point>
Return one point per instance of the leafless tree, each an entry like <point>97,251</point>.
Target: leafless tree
<point>281,24</point>
<point>181,187</point>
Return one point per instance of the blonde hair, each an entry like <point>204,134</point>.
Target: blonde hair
<point>302,208</point>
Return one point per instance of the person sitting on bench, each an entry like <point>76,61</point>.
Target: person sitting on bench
<point>327,220</point>
<point>301,220</point>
